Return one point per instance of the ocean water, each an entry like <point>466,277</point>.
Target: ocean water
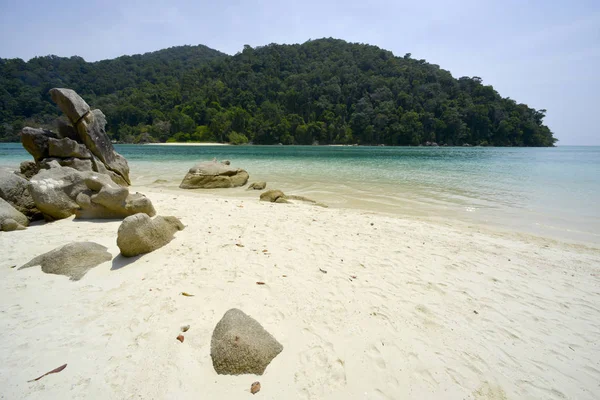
<point>553,192</point>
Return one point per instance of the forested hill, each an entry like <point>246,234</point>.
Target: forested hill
<point>323,91</point>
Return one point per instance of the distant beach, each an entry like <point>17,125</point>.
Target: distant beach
<point>187,144</point>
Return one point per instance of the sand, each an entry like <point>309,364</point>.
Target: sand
<point>407,309</point>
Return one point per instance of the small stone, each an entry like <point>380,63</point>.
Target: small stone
<point>255,388</point>
<point>180,338</point>
<point>185,328</point>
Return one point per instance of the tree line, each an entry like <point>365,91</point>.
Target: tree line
<point>324,91</point>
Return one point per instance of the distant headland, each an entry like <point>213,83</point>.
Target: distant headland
<point>324,91</point>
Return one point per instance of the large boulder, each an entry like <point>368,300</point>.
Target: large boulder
<point>70,103</point>
<point>240,345</point>
<point>65,148</point>
<point>213,174</point>
<point>10,218</point>
<point>15,190</point>
<point>73,260</point>
<point>60,192</point>
<point>92,132</point>
<point>139,234</point>
<point>35,141</point>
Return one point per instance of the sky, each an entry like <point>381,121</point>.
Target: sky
<point>545,54</point>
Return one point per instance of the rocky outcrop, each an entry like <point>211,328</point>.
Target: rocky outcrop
<point>70,103</point>
<point>10,218</point>
<point>73,260</point>
<point>83,145</point>
<point>35,141</point>
<point>261,185</point>
<point>92,133</point>
<point>139,234</point>
<point>213,174</point>
<point>15,190</point>
<point>240,345</point>
<point>60,192</point>
<point>65,148</point>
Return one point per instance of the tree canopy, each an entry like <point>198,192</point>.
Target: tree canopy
<point>324,91</point>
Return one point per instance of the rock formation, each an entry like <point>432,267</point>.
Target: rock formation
<point>240,345</point>
<point>73,260</point>
<point>139,234</point>
<point>14,189</point>
<point>10,218</point>
<point>213,174</point>
<point>83,145</point>
<point>60,192</point>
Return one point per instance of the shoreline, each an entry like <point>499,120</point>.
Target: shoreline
<point>402,301</point>
<point>185,144</point>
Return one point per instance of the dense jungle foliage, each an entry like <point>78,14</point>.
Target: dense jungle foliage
<point>324,91</point>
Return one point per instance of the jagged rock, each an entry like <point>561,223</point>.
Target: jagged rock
<point>139,234</point>
<point>29,169</point>
<point>240,345</point>
<point>66,130</point>
<point>84,146</point>
<point>35,141</point>
<point>65,148</point>
<point>272,195</point>
<point>10,218</point>
<point>73,260</point>
<point>257,185</point>
<point>60,192</point>
<point>75,163</point>
<point>213,174</point>
<point>99,167</point>
<point>92,133</point>
<point>15,190</point>
<point>70,103</point>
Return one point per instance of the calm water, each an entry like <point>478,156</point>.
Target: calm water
<point>554,192</point>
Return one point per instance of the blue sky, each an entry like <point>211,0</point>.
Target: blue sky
<point>542,53</point>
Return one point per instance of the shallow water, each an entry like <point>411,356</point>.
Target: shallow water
<point>549,191</point>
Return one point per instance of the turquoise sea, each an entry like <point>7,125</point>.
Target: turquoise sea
<point>553,192</point>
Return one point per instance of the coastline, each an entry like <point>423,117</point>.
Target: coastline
<point>407,308</point>
<point>188,144</point>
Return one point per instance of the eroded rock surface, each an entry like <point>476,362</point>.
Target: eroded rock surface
<point>240,345</point>
<point>139,234</point>
<point>214,174</point>
<point>73,260</point>
<point>60,192</point>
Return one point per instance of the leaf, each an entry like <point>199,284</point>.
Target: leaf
<point>180,338</point>
<point>186,294</point>
<point>54,371</point>
<point>185,328</point>
<point>260,283</point>
<point>239,245</point>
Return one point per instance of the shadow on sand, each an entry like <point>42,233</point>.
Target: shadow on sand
<point>119,261</point>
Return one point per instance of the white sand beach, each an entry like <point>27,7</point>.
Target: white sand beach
<point>407,309</point>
